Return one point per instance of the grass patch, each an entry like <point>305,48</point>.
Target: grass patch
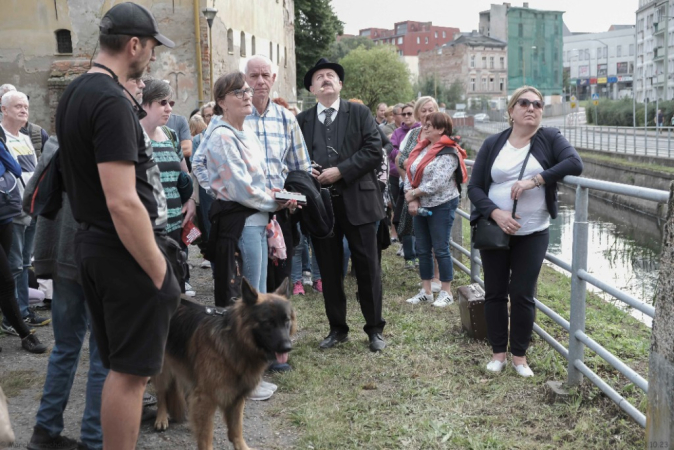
<point>618,160</point>
<point>15,381</point>
<point>429,389</point>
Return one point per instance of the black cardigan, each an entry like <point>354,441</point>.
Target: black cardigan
<point>557,157</point>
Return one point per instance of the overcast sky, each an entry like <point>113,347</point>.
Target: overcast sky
<point>580,15</point>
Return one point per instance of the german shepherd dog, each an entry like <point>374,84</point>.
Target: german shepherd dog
<point>217,358</point>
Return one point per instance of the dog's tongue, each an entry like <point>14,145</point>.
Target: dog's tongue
<point>282,358</point>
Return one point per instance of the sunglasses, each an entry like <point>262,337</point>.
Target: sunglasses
<point>239,93</point>
<point>525,102</point>
<point>407,114</point>
<point>167,102</point>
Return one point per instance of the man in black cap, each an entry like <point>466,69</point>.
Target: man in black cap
<point>115,192</point>
<point>344,143</point>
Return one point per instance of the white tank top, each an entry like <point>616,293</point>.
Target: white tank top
<point>531,205</point>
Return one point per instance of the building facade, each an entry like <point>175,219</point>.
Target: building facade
<point>601,63</point>
<point>478,62</point>
<point>535,45</point>
<point>654,62</point>
<point>494,21</point>
<point>411,38</point>
<point>45,44</point>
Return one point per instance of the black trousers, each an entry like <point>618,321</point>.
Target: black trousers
<point>281,269</point>
<point>362,241</point>
<point>512,273</point>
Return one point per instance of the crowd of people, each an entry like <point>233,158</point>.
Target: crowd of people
<point>138,178</point>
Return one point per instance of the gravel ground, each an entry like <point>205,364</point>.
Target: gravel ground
<point>22,377</point>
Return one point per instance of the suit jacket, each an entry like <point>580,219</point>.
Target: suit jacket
<point>360,156</point>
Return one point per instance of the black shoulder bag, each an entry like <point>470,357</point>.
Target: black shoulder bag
<point>487,235</point>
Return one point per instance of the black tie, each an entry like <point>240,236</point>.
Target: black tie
<point>328,116</point>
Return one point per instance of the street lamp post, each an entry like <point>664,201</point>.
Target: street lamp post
<point>210,14</point>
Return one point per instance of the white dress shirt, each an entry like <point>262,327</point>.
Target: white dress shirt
<point>320,110</point>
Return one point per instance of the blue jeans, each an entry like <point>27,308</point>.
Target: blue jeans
<point>20,255</point>
<point>432,233</point>
<point>253,246</point>
<point>298,266</point>
<point>409,244</point>
<point>70,320</point>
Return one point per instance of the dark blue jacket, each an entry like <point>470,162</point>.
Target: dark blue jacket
<point>557,157</point>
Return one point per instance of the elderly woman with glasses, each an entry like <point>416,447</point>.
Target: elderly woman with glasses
<point>547,157</point>
<point>230,164</point>
<point>157,103</point>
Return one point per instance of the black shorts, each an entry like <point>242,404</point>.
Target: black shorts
<point>129,315</point>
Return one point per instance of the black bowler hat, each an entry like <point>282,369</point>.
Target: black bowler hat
<point>133,20</point>
<point>323,64</point>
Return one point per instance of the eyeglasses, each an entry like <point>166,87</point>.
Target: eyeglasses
<point>525,102</point>
<point>167,102</point>
<point>241,92</point>
<point>407,114</point>
<point>427,126</point>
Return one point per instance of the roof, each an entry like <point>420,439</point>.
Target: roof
<point>475,39</point>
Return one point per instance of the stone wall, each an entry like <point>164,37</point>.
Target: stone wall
<point>30,61</point>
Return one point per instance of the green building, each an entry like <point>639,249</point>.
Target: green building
<point>535,42</point>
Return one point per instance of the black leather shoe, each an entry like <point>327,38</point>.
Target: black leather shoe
<point>333,339</point>
<point>377,343</point>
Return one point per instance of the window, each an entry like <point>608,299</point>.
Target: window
<point>418,40</point>
<point>472,84</point>
<point>491,83</point>
<point>252,46</point>
<point>64,42</point>
<point>599,53</point>
<point>436,35</point>
<point>502,61</point>
<point>491,62</point>
<point>484,84</point>
<point>484,62</point>
<point>501,84</point>
<point>426,40</point>
<point>563,56</point>
<point>243,44</point>
<point>444,35</point>
<point>587,55</point>
<point>271,51</point>
<point>619,50</point>
<point>520,30</point>
<point>400,40</point>
<point>285,56</point>
<point>278,54</point>
<point>472,61</point>
<point>230,41</point>
<point>631,49</point>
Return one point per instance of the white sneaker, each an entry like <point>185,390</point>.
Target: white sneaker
<point>205,264</point>
<point>267,385</point>
<point>260,393</point>
<point>306,278</point>
<point>444,299</point>
<point>189,291</point>
<point>422,296</point>
<point>496,366</point>
<point>435,287</point>
<point>400,251</point>
<point>523,370</point>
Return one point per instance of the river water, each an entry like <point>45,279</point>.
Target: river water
<point>624,247</point>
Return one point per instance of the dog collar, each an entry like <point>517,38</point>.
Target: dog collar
<point>215,311</point>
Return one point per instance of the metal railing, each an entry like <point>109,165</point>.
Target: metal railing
<point>649,141</point>
<point>578,340</point>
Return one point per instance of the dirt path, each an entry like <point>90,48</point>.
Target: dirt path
<point>22,377</point>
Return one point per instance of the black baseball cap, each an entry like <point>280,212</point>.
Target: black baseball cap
<point>133,20</point>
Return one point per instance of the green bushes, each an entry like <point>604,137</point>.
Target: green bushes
<point>619,112</point>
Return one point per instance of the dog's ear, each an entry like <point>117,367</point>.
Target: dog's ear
<point>248,292</point>
<point>284,289</point>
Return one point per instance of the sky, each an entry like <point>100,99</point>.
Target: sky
<point>580,15</point>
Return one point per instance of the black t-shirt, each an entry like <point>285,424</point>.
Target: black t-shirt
<point>96,123</point>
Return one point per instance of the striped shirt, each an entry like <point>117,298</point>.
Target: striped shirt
<point>282,142</point>
<point>168,160</point>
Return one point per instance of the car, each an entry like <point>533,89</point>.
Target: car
<point>482,117</point>
<point>459,115</point>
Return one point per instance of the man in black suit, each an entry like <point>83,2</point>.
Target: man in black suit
<point>343,142</point>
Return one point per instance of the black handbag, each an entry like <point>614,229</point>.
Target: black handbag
<point>487,235</point>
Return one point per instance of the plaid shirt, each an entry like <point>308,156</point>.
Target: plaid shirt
<point>282,141</point>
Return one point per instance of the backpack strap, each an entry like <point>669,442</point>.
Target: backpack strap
<point>174,138</point>
<point>35,134</point>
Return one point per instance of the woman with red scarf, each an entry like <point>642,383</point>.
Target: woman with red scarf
<point>435,171</point>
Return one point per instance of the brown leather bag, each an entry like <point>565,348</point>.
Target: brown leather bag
<point>471,307</point>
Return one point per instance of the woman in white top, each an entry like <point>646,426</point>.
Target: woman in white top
<point>492,189</point>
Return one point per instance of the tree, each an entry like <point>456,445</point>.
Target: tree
<point>316,27</point>
<point>435,88</point>
<point>339,49</point>
<point>376,75</point>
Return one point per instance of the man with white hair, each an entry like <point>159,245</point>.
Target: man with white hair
<point>14,117</point>
<point>285,150</point>
<point>5,88</point>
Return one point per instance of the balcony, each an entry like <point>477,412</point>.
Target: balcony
<point>658,53</point>
<point>657,30</point>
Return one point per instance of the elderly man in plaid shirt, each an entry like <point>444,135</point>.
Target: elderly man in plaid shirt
<point>284,146</point>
